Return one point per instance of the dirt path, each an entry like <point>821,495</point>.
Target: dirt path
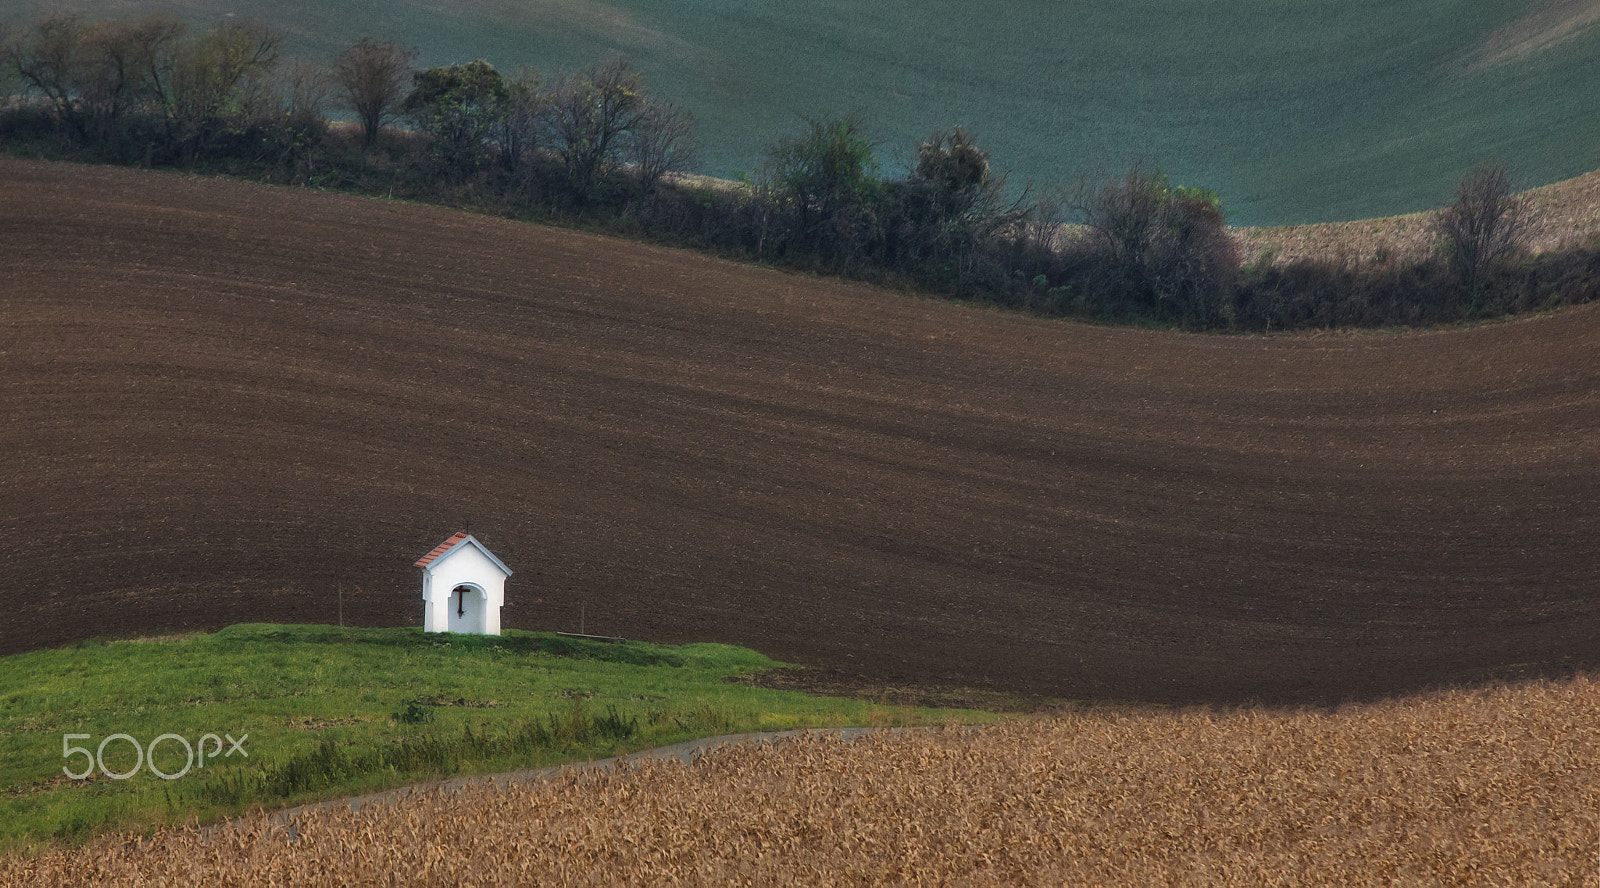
<point>686,752</point>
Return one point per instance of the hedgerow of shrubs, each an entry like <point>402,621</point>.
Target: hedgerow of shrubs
<point>597,147</point>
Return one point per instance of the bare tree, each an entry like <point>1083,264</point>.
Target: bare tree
<point>109,80</point>
<point>309,91</point>
<point>1485,225</point>
<point>8,61</point>
<point>124,67</point>
<point>372,79</point>
<point>1046,227</point>
<point>50,61</point>
<point>157,41</point>
<point>661,142</point>
<point>590,117</point>
<point>1122,217</point>
<point>525,107</point>
<point>93,75</point>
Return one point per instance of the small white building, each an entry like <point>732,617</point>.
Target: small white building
<point>463,587</point>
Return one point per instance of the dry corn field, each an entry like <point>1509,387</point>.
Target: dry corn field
<point>1492,787</point>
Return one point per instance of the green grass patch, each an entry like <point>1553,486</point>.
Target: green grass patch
<point>330,712</point>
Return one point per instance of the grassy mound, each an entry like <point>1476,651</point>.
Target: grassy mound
<point>320,711</point>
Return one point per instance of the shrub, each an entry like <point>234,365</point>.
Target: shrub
<point>1162,249</point>
<point>414,714</point>
<point>947,206</point>
<point>824,186</point>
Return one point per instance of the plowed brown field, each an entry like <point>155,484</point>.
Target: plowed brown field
<point>224,402</point>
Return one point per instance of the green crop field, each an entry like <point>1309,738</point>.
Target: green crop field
<point>318,711</point>
<point>1294,111</point>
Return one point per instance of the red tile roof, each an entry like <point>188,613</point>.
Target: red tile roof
<point>440,549</point>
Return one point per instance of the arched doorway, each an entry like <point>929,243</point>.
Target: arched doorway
<point>468,606</point>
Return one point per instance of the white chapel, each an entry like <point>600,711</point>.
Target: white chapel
<point>463,587</point>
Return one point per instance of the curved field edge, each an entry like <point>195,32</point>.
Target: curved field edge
<point>320,712</point>
<point>1565,215</point>
<point>1493,786</point>
<point>228,401</point>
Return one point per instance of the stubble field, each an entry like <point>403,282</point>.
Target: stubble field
<point>1497,787</point>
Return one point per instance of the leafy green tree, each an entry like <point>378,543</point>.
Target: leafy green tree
<point>825,184</point>
<point>459,106</point>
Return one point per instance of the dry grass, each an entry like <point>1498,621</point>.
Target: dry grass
<point>1554,22</point>
<point>1566,214</point>
<point>1495,787</point>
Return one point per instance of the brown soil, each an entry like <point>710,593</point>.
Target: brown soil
<point>222,402</point>
<point>831,682</point>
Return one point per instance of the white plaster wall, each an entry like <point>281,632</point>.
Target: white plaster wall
<point>465,609</point>
<point>431,610</point>
<point>463,564</point>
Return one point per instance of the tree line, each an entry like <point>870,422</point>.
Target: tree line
<point>599,147</point>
